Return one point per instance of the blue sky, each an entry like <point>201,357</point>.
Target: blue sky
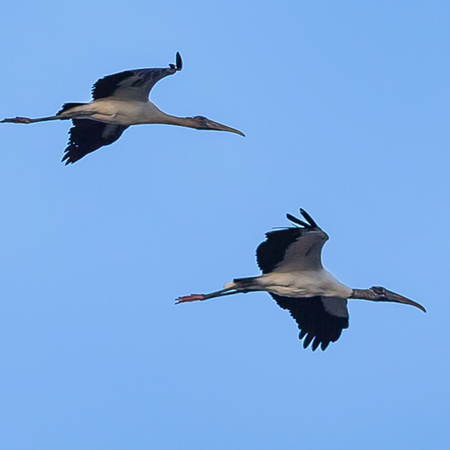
<point>346,110</point>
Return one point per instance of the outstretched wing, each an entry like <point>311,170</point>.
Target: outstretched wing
<point>319,319</point>
<point>292,249</point>
<point>88,135</point>
<point>132,84</point>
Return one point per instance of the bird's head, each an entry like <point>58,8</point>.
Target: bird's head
<point>202,123</point>
<point>383,295</point>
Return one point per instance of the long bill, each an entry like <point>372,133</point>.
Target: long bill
<point>197,122</point>
<point>210,125</point>
<point>397,298</point>
<point>381,294</point>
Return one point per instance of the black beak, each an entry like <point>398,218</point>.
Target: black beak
<point>211,125</point>
<point>388,296</point>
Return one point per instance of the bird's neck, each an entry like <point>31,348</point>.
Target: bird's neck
<point>154,115</point>
<point>180,121</point>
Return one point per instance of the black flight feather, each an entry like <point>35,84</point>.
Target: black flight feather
<point>143,79</point>
<point>313,321</point>
<point>179,62</point>
<point>88,135</point>
<point>105,87</point>
<point>308,218</point>
<point>297,221</point>
<point>271,252</point>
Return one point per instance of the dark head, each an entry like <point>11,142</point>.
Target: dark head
<point>202,123</point>
<point>383,295</point>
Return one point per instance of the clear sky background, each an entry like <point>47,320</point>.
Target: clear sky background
<point>346,110</point>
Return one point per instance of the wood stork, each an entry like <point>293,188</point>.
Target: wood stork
<point>292,273</point>
<point>119,100</point>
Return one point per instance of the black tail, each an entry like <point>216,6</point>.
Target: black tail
<point>247,284</point>
<point>68,106</point>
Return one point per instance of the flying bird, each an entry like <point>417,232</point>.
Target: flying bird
<point>118,101</point>
<point>292,273</point>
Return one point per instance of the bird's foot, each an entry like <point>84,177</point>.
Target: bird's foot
<point>189,298</point>
<point>17,120</point>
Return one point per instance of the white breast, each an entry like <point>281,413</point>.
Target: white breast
<point>121,112</point>
<point>304,284</point>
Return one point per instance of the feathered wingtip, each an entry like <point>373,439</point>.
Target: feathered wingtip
<point>178,62</point>
<point>311,223</point>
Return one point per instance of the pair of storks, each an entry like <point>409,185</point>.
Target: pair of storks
<point>290,258</point>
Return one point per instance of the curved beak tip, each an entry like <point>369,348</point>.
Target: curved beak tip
<point>231,130</point>
<point>400,299</point>
<point>417,305</point>
<point>422,308</point>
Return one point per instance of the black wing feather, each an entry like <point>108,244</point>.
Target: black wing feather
<point>312,320</point>
<point>271,252</point>
<point>134,83</point>
<point>88,135</point>
<point>106,86</point>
